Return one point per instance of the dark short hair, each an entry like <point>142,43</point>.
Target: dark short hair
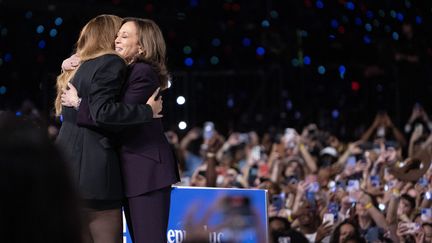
<point>410,199</point>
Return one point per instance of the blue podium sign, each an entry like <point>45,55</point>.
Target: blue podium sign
<point>214,215</point>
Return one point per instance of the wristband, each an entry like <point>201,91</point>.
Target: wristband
<point>395,192</point>
<point>368,205</point>
<point>210,155</point>
<point>290,219</point>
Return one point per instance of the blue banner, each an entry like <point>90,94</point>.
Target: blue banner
<point>216,215</point>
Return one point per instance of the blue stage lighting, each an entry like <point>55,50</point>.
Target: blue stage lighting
<point>58,21</point>
<point>260,51</point>
<point>246,41</point>
<point>40,29</point>
<point>188,61</point>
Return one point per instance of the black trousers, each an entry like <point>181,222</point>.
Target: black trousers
<point>147,216</point>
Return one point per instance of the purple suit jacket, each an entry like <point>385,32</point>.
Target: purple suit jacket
<point>147,161</point>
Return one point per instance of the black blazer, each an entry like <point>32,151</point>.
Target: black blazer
<point>93,161</point>
<point>147,161</point>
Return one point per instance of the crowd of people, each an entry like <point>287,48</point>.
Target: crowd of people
<point>322,189</point>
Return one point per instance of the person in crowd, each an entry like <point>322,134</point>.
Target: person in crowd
<point>147,185</point>
<point>384,129</point>
<point>91,156</point>
<point>344,231</point>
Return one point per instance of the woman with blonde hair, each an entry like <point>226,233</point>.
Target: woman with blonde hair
<point>91,156</point>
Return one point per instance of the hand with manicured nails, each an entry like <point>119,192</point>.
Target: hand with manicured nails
<point>156,104</point>
<point>69,97</point>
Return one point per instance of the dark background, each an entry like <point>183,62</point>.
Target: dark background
<point>230,81</point>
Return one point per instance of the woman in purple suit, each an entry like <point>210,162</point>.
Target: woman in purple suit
<point>148,165</point>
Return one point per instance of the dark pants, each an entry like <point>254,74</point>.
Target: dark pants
<point>147,216</point>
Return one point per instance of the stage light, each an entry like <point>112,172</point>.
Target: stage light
<point>419,20</point>
<point>382,207</point>
<point>289,105</point>
<point>169,84</point>
<point>350,6</point>
<point>393,13</point>
<point>334,24</point>
<point>368,27</point>
<point>355,86</point>
<point>295,62</point>
<point>181,100</point>
<point>381,13</point>
<point>321,70</point>
<point>332,37</point>
<point>230,102</point>
<point>319,4</point>
<point>40,29</point>
<point>214,60</point>
<point>28,14</point>
<point>246,41</point>
<point>335,114</point>
<point>18,113</point>
<point>41,44</point>
<point>395,36</point>
<point>367,39</point>
<point>307,60</point>
<point>182,125</point>
<point>358,21</point>
<point>58,21</point>
<point>260,51</point>
<point>342,70</point>
<point>274,14</point>
<point>265,23</point>
<point>7,57</point>
<point>53,32</point>
<point>188,61</point>
<point>341,29</point>
<point>369,14</point>
<point>193,3</point>
<point>216,42</point>
<point>187,50</point>
<point>2,90</point>
<point>400,17</point>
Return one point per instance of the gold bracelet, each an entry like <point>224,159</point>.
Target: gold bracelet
<point>290,219</point>
<point>395,192</point>
<point>368,205</point>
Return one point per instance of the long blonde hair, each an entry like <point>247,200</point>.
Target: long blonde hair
<point>96,39</point>
<point>151,40</point>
